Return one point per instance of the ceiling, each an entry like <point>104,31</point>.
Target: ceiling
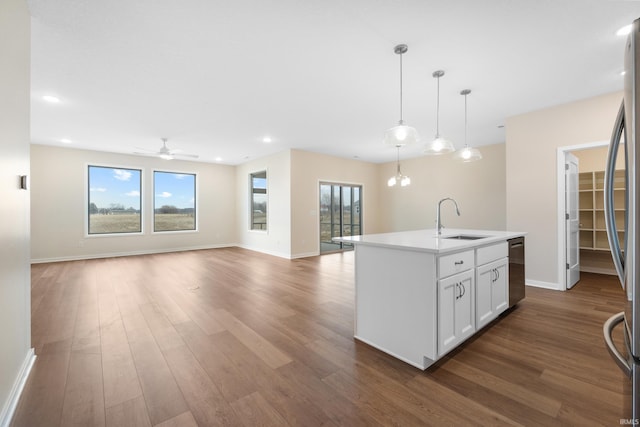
<point>215,77</point>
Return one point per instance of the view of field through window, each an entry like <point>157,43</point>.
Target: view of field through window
<point>114,200</point>
<point>259,200</point>
<point>174,201</point>
<point>340,215</point>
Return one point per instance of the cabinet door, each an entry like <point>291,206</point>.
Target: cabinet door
<point>456,318</point>
<point>492,291</point>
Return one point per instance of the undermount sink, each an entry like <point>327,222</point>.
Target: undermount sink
<point>464,237</point>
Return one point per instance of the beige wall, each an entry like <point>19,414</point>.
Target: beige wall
<point>533,140</point>
<point>595,159</point>
<point>59,205</point>
<point>307,171</point>
<point>15,286</point>
<point>478,187</point>
<point>277,239</point>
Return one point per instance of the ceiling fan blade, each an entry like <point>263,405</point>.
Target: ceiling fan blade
<point>192,156</point>
<point>145,150</point>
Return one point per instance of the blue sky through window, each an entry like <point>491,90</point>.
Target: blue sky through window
<point>109,187</point>
<point>174,189</point>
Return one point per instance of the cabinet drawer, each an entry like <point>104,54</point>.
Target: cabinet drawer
<point>455,263</point>
<point>492,253</point>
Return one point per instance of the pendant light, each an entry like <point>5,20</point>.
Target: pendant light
<point>398,178</point>
<point>467,154</point>
<point>402,134</point>
<point>439,145</point>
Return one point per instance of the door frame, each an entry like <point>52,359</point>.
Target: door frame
<point>341,183</point>
<point>561,223</point>
<point>569,198</point>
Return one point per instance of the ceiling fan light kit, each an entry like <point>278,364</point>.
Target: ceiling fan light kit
<point>165,153</point>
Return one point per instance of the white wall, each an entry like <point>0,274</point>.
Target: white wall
<point>532,143</point>
<point>478,187</point>
<point>15,288</point>
<point>59,206</point>
<point>276,240</point>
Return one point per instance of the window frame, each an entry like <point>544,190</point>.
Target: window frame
<point>196,196</point>
<point>251,201</point>
<point>87,201</point>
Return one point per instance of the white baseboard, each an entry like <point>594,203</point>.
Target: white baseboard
<point>544,285</point>
<point>12,401</point>
<point>597,270</point>
<point>304,255</point>
<point>131,253</point>
<point>273,253</point>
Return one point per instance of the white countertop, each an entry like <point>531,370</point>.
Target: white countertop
<point>428,241</point>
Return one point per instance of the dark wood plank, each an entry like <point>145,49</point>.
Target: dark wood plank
<point>233,337</point>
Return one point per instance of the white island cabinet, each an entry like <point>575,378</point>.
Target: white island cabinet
<point>419,295</point>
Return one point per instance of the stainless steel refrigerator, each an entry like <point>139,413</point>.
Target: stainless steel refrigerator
<point>626,253</point>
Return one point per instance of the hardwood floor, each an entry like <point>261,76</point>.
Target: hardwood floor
<point>233,337</point>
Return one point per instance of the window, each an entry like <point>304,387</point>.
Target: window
<point>259,200</point>
<point>174,201</point>
<point>114,200</point>
<point>340,215</point>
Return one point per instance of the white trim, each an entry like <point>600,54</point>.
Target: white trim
<point>341,183</point>
<point>560,231</point>
<point>598,270</point>
<point>545,285</point>
<point>272,253</point>
<point>87,200</point>
<point>12,401</point>
<point>196,202</point>
<point>268,194</point>
<point>132,253</point>
<point>304,255</point>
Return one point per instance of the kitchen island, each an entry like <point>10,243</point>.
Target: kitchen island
<point>420,295</point>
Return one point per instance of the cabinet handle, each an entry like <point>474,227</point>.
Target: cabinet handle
<point>457,292</point>
<point>497,274</point>
<point>459,262</point>
<point>464,290</point>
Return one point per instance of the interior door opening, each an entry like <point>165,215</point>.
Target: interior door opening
<point>340,215</point>
<point>593,254</point>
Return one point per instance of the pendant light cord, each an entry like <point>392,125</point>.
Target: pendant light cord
<point>401,88</point>
<point>465,120</point>
<point>438,110</point>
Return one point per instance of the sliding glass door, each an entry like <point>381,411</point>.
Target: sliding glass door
<point>340,215</point>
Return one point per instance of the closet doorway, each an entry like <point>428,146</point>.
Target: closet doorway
<point>340,215</point>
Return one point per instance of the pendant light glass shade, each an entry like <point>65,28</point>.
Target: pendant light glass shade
<point>401,134</point>
<point>398,178</point>
<point>439,145</point>
<point>467,154</point>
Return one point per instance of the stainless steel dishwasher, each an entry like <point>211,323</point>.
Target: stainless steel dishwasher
<point>516,270</point>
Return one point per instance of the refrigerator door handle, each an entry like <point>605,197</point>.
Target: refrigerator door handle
<point>609,212</point>
<point>607,330</point>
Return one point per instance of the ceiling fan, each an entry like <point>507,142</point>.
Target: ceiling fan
<point>165,152</point>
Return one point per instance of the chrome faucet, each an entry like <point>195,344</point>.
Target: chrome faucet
<point>439,225</point>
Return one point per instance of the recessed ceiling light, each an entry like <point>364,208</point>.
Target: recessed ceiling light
<point>266,139</point>
<point>50,98</point>
<point>623,72</point>
<point>624,30</point>
<point>65,141</point>
<point>218,159</point>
